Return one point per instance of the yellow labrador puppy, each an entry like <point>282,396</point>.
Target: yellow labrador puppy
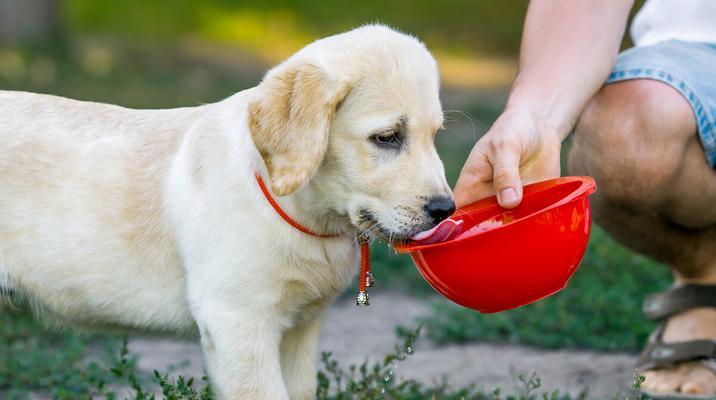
<point>152,220</point>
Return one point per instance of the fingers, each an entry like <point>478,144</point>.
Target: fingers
<point>492,168</point>
<point>475,180</point>
<point>513,151</point>
<point>505,159</point>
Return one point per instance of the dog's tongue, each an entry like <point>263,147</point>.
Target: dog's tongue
<point>446,230</point>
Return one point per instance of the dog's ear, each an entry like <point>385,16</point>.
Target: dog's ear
<point>289,122</point>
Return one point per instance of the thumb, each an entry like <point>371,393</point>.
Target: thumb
<point>506,175</point>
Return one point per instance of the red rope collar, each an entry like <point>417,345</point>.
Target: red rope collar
<point>365,278</point>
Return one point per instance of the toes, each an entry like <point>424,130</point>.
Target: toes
<point>664,380</point>
<point>669,383</point>
<point>700,380</point>
<point>650,379</point>
<point>694,388</point>
<point>688,378</point>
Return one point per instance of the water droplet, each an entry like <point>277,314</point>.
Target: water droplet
<point>382,390</point>
<point>387,378</point>
<point>409,350</point>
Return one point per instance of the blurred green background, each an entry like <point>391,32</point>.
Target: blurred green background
<point>163,53</point>
<point>166,53</point>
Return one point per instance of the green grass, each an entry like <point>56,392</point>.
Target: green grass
<point>52,362</point>
<point>37,362</point>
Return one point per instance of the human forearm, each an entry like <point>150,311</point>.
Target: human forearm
<point>568,49</point>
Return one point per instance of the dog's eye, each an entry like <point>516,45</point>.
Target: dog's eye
<point>388,139</point>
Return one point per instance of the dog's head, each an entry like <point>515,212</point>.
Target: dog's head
<point>356,115</point>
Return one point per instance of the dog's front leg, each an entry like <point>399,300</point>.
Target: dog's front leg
<point>299,350</point>
<point>241,348</point>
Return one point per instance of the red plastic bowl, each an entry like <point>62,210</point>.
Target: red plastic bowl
<point>508,258</point>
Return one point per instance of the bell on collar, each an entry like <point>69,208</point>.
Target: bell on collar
<point>363,237</point>
<point>369,280</point>
<point>362,299</point>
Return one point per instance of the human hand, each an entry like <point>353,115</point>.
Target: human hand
<point>518,149</point>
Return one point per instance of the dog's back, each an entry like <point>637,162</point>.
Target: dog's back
<point>80,192</point>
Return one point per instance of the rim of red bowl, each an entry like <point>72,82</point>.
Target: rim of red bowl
<point>587,187</point>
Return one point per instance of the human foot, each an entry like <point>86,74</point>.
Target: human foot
<point>690,377</point>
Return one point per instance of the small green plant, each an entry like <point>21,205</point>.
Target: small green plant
<point>638,380</point>
<point>183,389</point>
<point>124,369</point>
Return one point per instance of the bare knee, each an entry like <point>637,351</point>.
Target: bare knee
<point>631,139</point>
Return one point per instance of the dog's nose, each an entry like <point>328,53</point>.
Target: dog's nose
<point>439,208</point>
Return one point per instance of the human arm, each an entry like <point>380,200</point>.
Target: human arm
<point>567,51</point>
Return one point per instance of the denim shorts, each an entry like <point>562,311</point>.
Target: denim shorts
<point>688,67</point>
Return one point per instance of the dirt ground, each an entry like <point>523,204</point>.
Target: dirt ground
<point>353,334</point>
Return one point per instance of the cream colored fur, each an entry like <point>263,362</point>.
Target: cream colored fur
<point>151,220</point>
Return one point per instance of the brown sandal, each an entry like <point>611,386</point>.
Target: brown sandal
<point>658,354</point>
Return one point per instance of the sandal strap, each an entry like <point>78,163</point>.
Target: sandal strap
<point>682,298</point>
<point>659,354</point>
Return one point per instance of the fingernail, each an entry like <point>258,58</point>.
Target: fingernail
<point>508,196</point>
